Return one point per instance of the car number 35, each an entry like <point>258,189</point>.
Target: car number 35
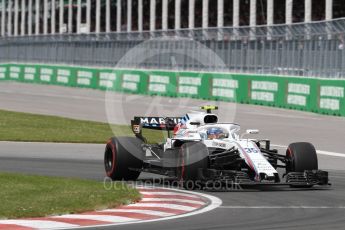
<point>251,150</point>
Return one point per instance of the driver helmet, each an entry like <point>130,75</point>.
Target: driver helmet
<point>215,133</point>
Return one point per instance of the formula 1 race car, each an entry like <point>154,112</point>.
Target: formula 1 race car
<point>199,150</point>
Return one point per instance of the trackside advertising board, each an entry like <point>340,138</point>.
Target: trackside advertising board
<point>3,72</point>
<point>225,88</point>
<point>107,80</point>
<point>308,94</point>
<point>65,76</point>
<point>162,83</point>
<point>30,73</point>
<point>47,75</point>
<point>331,97</point>
<point>15,72</point>
<point>194,85</point>
<point>133,81</point>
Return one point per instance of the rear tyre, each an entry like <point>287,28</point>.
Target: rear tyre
<point>301,156</point>
<point>193,157</point>
<point>122,154</point>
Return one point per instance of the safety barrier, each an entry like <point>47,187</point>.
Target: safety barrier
<point>317,95</point>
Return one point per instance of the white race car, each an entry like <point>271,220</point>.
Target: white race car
<point>199,150</point>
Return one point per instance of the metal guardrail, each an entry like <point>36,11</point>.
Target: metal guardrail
<point>315,49</point>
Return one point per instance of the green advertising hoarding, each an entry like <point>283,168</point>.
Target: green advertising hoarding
<point>316,95</point>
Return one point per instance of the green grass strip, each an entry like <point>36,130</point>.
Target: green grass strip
<point>17,126</point>
<point>38,196</point>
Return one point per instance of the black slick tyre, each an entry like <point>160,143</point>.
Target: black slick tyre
<point>121,156</point>
<point>301,156</point>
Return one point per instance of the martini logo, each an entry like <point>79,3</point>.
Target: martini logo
<point>158,120</point>
<point>152,120</point>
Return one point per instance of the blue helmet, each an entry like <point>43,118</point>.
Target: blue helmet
<point>214,131</point>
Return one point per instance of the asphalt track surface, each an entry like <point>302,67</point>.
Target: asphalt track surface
<point>255,208</point>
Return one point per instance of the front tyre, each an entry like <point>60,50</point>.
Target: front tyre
<point>121,156</point>
<point>301,156</point>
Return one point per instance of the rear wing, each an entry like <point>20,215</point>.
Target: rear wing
<point>155,123</point>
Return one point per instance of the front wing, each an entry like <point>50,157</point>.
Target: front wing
<point>306,178</point>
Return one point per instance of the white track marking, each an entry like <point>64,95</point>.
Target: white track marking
<point>169,194</point>
<point>283,207</point>
<point>321,152</point>
<point>162,205</point>
<point>38,224</point>
<point>330,153</point>
<point>174,200</point>
<point>112,219</point>
<point>149,212</point>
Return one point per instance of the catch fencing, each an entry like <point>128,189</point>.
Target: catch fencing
<point>310,50</point>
